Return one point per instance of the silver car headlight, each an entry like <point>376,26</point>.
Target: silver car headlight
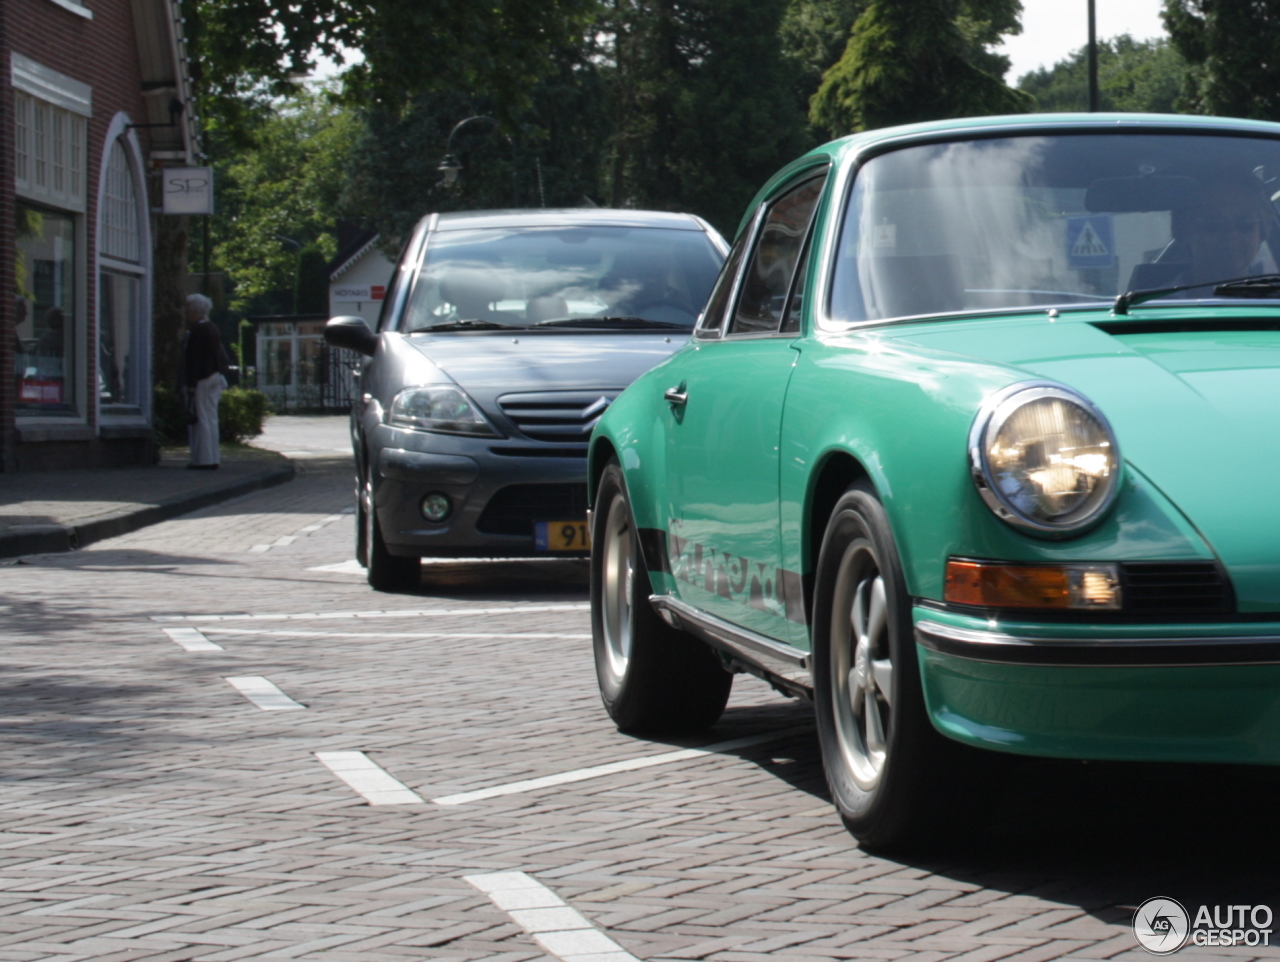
<point>446,410</point>
<point>1044,459</point>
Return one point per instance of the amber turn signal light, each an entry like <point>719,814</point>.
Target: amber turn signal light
<point>989,584</point>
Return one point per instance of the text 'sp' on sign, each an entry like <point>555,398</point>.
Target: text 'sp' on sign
<point>188,190</point>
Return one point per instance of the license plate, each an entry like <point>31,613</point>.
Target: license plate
<point>561,536</point>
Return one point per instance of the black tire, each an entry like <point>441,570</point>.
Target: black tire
<point>385,571</point>
<point>889,772</point>
<point>653,678</point>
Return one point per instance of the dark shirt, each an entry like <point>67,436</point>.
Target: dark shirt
<point>204,354</point>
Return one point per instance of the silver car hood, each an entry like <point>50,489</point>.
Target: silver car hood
<point>490,364</point>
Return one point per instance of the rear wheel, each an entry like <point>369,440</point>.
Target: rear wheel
<point>385,571</point>
<point>889,772</point>
<point>652,677</point>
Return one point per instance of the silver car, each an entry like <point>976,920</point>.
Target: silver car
<point>503,338</point>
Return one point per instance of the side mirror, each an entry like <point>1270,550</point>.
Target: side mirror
<point>351,333</point>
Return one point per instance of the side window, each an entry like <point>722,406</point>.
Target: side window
<point>773,262</point>
<point>400,278</point>
<point>713,317</point>
<point>795,305</point>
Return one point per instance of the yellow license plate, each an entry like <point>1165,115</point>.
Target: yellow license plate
<point>561,536</point>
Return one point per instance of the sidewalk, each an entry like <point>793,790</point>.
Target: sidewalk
<point>59,511</point>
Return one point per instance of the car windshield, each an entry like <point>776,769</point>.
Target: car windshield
<point>1058,221</point>
<point>568,277</point>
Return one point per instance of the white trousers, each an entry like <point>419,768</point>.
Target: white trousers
<point>203,435</point>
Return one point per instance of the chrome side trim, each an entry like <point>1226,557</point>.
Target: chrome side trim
<point>781,661</point>
<point>1002,648</point>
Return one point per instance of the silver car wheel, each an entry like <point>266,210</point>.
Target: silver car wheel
<point>861,666</point>
<point>618,578</point>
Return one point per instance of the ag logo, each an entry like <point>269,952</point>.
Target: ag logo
<point>1160,925</point>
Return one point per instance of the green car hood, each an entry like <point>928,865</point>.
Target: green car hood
<point>1197,412</point>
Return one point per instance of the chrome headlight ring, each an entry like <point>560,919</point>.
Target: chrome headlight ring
<point>1044,459</point>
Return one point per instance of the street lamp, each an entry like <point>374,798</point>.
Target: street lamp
<point>450,166</point>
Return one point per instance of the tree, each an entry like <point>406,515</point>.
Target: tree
<point>280,193</point>
<point>704,104</point>
<point>1234,49</point>
<point>912,60</point>
<point>1145,76</point>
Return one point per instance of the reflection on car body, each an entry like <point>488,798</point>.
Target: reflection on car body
<point>503,339</point>
<point>969,447</point>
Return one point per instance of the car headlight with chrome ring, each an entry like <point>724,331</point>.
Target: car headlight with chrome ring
<point>446,410</point>
<point>1044,459</point>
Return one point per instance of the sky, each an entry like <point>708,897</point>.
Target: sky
<point>1052,29</point>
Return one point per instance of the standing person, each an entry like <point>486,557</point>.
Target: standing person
<point>204,367</point>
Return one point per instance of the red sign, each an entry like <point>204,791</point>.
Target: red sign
<point>379,291</point>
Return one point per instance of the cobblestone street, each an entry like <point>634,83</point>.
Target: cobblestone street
<point>220,744</point>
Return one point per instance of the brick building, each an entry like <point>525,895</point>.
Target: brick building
<point>94,101</point>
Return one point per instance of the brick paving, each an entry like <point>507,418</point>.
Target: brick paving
<point>148,810</point>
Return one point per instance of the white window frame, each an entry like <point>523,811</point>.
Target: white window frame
<point>118,132</point>
<point>51,120</point>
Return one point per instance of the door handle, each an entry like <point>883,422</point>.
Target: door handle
<point>676,396</point>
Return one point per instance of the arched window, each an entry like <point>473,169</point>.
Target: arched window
<point>122,349</point>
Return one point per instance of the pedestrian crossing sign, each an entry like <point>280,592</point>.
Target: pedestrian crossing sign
<point>1090,242</point>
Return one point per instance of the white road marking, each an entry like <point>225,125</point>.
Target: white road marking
<point>423,635</point>
<point>406,613</point>
<point>352,567</point>
<point>360,772</point>
<point>289,539</point>
<point>612,768</point>
<point>560,929</point>
<point>263,693</point>
<point>191,639</point>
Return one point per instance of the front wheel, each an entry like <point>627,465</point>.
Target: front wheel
<point>887,769</point>
<point>385,571</point>
<point>652,677</point>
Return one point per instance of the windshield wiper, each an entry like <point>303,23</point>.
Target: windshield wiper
<point>470,324</point>
<point>622,322</point>
<point>1258,285</point>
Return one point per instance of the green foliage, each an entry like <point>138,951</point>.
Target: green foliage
<point>1145,76</point>
<point>1233,47</point>
<point>704,104</point>
<point>285,182</point>
<point>168,415</point>
<point>913,60</point>
<point>311,295</point>
<point>241,412</point>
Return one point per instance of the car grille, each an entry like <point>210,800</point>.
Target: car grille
<point>1175,588</point>
<point>515,508</point>
<point>558,417</point>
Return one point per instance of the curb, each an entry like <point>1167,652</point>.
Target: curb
<point>52,538</point>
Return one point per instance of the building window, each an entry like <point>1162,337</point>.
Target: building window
<point>47,330</point>
<point>120,209</point>
<point>49,152</point>
<point>121,351</point>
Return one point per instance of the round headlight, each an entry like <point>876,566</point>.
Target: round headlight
<point>1044,459</point>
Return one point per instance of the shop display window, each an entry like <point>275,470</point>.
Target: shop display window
<point>47,328</point>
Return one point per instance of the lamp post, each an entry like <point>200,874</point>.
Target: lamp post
<point>450,166</point>
<point>1093,58</point>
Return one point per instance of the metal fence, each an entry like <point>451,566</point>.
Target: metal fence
<point>298,371</point>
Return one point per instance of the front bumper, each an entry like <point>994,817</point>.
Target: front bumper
<point>1188,693</point>
<point>410,465</point>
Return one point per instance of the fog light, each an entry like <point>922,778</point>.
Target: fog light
<point>988,584</point>
<point>436,507</point>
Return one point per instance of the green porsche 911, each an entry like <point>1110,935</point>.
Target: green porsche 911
<point>976,444</point>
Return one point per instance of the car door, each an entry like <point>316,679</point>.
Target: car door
<point>724,411</point>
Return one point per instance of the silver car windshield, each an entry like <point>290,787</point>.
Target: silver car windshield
<point>567,276</point>
<point>1058,221</point>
